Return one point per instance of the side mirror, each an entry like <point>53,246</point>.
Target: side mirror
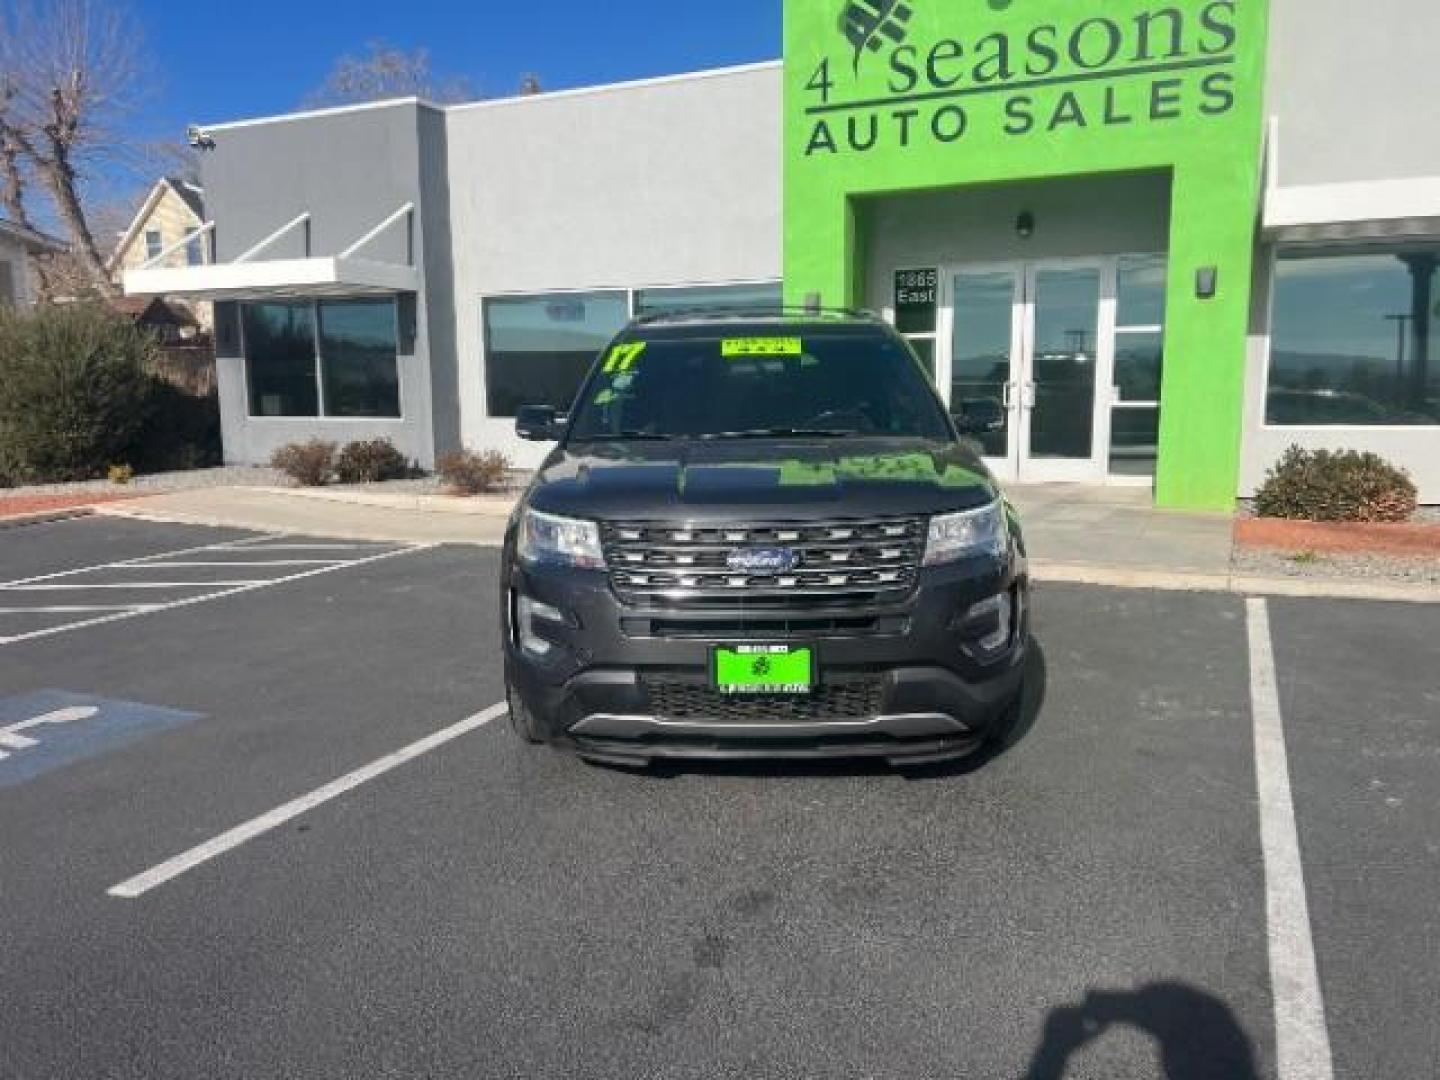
<point>538,423</point>
<point>980,416</point>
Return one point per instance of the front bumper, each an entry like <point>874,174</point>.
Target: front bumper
<point>928,691</point>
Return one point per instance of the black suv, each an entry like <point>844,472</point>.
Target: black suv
<point>761,536</point>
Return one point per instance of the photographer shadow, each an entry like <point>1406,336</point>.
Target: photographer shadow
<point>1197,1033</point>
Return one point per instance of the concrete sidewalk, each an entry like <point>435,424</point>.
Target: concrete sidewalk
<point>345,515</point>
<point>1077,534</point>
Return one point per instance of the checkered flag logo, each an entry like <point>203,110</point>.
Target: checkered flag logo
<point>868,24</point>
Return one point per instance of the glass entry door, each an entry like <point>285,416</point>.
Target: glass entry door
<point>1029,347</point>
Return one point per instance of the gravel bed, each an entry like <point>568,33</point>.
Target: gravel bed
<point>187,480</point>
<point>1392,569</point>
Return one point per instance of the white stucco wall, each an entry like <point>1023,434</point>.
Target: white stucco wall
<point>669,182</point>
<point>1351,92</point>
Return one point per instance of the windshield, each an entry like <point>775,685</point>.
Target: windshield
<point>830,382</point>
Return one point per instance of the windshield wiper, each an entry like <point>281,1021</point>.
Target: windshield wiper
<point>782,433</point>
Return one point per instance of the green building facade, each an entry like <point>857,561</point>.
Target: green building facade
<point>1010,103</point>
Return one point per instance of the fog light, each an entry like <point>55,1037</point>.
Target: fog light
<point>527,611</point>
<point>999,609</point>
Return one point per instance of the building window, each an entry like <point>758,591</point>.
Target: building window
<point>1355,339</point>
<point>195,251</point>
<point>357,358</point>
<point>153,243</point>
<point>765,296</point>
<point>334,358</point>
<point>1139,365</point>
<point>538,349</point>
<point>280,359</point>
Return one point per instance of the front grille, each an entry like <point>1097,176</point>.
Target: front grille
<point>853,699</point>
<point>839,561</point>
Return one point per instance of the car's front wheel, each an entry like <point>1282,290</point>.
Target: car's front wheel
<point>522,720</point>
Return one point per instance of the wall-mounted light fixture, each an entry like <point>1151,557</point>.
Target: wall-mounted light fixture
<point>1207,281</point>
<point>1025,225</point>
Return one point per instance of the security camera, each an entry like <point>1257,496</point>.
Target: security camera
<point>199,138</point>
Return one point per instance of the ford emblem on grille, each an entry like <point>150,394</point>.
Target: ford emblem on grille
<point>764,560</point>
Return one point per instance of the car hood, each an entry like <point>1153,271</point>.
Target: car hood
<point>797,480</point>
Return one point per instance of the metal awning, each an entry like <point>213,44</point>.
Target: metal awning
<point>1356,212</point>
<point>248,278</point>
<point>326,276</point>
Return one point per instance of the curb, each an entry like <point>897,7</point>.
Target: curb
<point>1240,584</point>
<point>326,532</point>
<point>44,517</point>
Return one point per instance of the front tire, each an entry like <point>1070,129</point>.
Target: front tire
<point>522,720</point>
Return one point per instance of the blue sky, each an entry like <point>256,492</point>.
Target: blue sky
<point>235,60</point>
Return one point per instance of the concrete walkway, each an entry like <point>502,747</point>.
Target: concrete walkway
<point>358,516</point>
<point>1076,534</point>
<point>1107,526</point>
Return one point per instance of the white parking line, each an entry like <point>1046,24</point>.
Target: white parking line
<point>72,609</point>
<point>46,583</point>
<point>232,562</point>
<point>86,586</point>
<point>1302,1040</point>
<point>227,841</point>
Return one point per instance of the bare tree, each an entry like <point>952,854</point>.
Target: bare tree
<point>386,71</point>
<point>73,71</point>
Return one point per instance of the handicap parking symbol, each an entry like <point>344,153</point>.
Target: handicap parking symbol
<point>50,729</point>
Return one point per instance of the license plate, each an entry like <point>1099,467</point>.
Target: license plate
<point>764,669</point>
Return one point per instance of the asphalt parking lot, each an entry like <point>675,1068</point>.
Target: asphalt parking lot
<point>213,862</point>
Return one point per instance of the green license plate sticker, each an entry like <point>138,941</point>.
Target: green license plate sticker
<point>764,669</point>
<point>734,348</point>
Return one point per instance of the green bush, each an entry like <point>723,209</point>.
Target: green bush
<point>472,473</point>
<point>1343,485</point>
<point>74,392</point>
<point>309,464</point>
<point>181,430</point>
<point>371,461</point>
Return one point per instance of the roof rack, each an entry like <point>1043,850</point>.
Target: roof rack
<point>752,311</point>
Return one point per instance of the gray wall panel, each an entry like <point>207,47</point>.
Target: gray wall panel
<point>350,169</point>
<point>1354,86</point>
<point>664,183</point>
<point>1100,215</point>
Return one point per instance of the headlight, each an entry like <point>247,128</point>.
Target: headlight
<point>969,533</point>
<point>553,539</point>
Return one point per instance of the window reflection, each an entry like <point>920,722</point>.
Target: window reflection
<point>539,348</point>
<point>1353,339</point>
<point>357,358</point>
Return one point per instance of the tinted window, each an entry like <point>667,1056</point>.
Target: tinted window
<point>539,348</point>
<point>280,359</point>
<point>746,381</point>
<point>1354,340</point>
<point>357,358</point>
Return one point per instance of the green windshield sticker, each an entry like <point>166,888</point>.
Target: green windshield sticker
<point>761,346</point>
<point>622,357</point>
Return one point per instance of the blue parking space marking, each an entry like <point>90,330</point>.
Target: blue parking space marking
<point>50,729</point>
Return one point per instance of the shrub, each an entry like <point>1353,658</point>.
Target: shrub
<point>74,391</point>
<point>371,462</point>
<point>309,464</point>
<point>181,430</point>
<point>472,473</point>
<point>120,474</point>
<point>1343,485</point>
